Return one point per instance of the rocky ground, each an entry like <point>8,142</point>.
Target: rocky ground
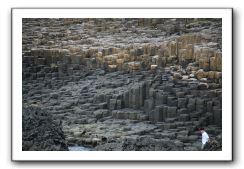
<point>41,132</point>
<point>126,84</point>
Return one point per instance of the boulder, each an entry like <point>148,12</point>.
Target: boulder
<point>153,67</point>
<point>134,65</point>
<point>203,86</point>
<point>177,76</point>
<point>201,74</point>
<point>112,68</point>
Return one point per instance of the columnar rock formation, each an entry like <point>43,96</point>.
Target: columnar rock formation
<point>113,80</point>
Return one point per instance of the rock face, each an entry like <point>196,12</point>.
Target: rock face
<point>129,84</point>
<point>40,132</point>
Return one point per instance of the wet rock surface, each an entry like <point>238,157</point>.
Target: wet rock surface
<point>126,84</point>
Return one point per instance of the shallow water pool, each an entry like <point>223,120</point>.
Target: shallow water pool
<point>78,148</point>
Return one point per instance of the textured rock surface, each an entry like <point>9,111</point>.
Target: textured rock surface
<point>40,131</point>
<point>129,84</point>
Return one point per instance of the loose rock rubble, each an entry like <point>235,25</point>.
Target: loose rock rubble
<point>126,84</point>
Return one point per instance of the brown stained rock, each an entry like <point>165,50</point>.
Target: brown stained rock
<point>218,59</point>
<point>173,48</point>
<point>112,68</point>
<point>134,65</point>
<point>204,63</point>
<point>216,62</point>
<point>201,74</point>
<point>218,75</point>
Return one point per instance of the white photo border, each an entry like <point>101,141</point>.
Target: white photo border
<point>227,136</point>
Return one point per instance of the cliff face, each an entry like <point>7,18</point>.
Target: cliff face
<point>112,79</point>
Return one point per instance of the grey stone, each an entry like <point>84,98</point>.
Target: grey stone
<point>40,132</point>
<point>131,98</point>
<point>99,98</point>
<point>171,111</point>
<point>184,117</point>
<point>100,113</point>
<point>112,104</point>
<point>136,97</point>
<point>103,105</point>
<point>182,111</point>
<point>119,104</point>
<point>159,113</point>
<point>209,106</point>
<point>172,101</point>
<point>171,120</point>
<point>203,86</point>
<point>148,105</point>
<point>200,101</point>
<point>143,117</point>
<point>152,93</point>
<point>180,94</point>
<point>168,87</point>
<point>126,99</point>
<point>191,149</point>
<point>191,106</point>
<point>217,115</point>
<point>178,143</point>
<point>182,102</point>
<point>142,94</point>
<point>158,99</point>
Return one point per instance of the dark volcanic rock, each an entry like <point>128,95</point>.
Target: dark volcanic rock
<point>40,132</point>
<point>146,84</point>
